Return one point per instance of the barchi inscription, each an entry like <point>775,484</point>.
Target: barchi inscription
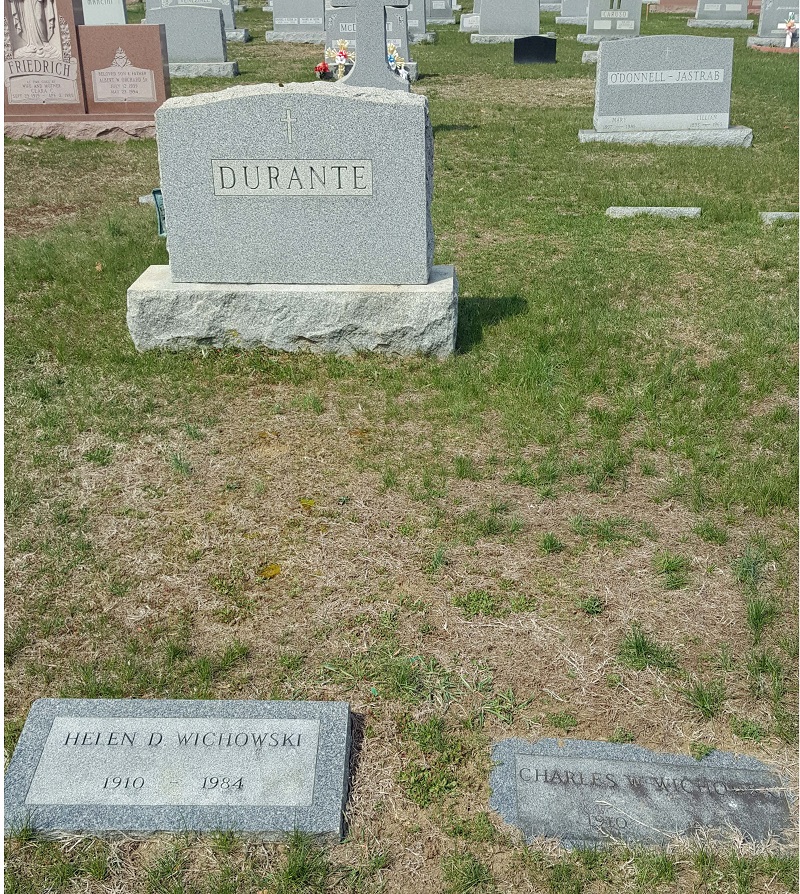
<point>291,177</point>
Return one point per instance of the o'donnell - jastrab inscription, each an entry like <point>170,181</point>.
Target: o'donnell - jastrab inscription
<point>144,766</point>
<point>587,794</point>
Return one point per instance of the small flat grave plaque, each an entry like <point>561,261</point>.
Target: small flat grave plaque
<point>589,794</point>
<point>142,766</point>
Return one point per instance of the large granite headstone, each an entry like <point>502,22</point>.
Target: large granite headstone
<point>418,23</point>
<point>720,14</point>
<point>196,42</point>
<point>573,12</point>
<point>503,21</point>
<point>251,178</point>
<point>104,12</point>
<point>297,21</point>
<point>142,766</point>
<point>125,69</point>
<point>772,23</point>
<point>591,794</point>
<point>227,7</point>
<point>667,89</point>
<point>341,24</point>
<point>610,19</point>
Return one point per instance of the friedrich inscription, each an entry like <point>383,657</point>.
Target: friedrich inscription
<point>193,761</point>
<point>291,177</point>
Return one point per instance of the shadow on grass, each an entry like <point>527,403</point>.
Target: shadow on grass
<point>358,723</point>
<point>444,127</point>
<point>478,313</point>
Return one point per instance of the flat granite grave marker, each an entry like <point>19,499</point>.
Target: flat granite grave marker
<point>590,794</point>
<point>144,766</point>
<point>772,25</point>
<point>611,19</point>
<point>297,21</point>
<point>196,43</point>
<point>251,175</point>
<point>669,90</point>
<point>503,21</point>
<point>720,14</point>
<point>104,12</point>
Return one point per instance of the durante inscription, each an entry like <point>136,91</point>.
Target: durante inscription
<point>291,177</point>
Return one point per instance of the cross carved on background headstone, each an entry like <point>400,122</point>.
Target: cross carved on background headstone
<point>371,68</point>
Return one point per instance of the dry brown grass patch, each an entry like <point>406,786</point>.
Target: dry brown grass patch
<point>532,93</point>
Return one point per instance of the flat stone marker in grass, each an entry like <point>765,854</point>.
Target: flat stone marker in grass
<point>772,25</point>
<point>503,21</point>
<point>297,21</point>
<point>140,766</point>
<point>669,90</point>
<point>611,19</point>
<point>590,794</point>
<point>720,14</point>
<point>619,211</point>
<point>768,218</point>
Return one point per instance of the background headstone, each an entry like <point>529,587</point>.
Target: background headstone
<point>534,50</point>
<point>301,21</point>
<point>772,20</point>
<point>439,12</point>
<point>196,44</point>
<point>679,86</point>
<point>721,14</point>
<point>573,12</point>
<point>340,24</point>
<point>226,7</point>
<point>138,766</point>
<point>608,19</point>
<point>34,90</point>
<point>125,69</point>
<point>104,12</point>
<point>507,19</point>
<point>590,794</point>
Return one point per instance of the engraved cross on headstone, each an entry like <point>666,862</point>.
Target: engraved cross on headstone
<point>371,68</point>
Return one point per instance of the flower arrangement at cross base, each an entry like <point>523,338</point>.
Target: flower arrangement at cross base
<point>323,71</point>
<point>791,30</point>
<point>341,57</point>
<point>396,62</point>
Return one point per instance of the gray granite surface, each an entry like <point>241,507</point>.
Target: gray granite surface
<point>225,6</point>
<point>589,57</point>
<point>570,20</point>
<point>315,153</point>
<point>439,12</point>
<point>104,12</point>
<point>771,217</point>
<point>771,21</point>
<point>194,34</point>
<point>592,794</point>
<point>238,35</point>
<point>417,19</point>
<point>402,320</point>
<point>623,19</point>
<point>204,69</point>
<point>574,9</point>
<point>619,211</point>
<point>721,10</point>
<point>514,18</point>
<point>133,766</point>
<point>667,82</point>
<point>728,138</point>
<point>299,16</point>
<point>469,23</point>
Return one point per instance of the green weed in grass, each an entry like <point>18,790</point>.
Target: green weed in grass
<point>479,602</point>
<point>622,736</point>
<point>592,605</point>
<point>477,828</point>
<point>673,569</point>
<point>749,730</point>
<point>638,651</point>
<point>707,698</point>
<point>761,611</point>
<point>100,456</point>
<point>463,873</point>
<point>699,750</point>
<point>653,870</point>
<point>549,544</point>
<point>304,869</point>
<point>438,560</point>
<point>711,533</point>
<point>563,721</point>
<point>466,469</point>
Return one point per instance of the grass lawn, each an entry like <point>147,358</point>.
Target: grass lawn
<point>582,524</point>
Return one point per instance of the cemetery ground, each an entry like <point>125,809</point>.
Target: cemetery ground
<point>582,525</point>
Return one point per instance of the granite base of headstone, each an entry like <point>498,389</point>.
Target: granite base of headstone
<point>248,175</point>
<point>537,50</point>
<point>141,766</point>
<point>589,57</point>
<point>550,7</point>
<point>238,35</point>
<point>719,23</point>
<point>667,90</point>
<point>757,42</point>
<point>595,794</point>
<point>570,20</point>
